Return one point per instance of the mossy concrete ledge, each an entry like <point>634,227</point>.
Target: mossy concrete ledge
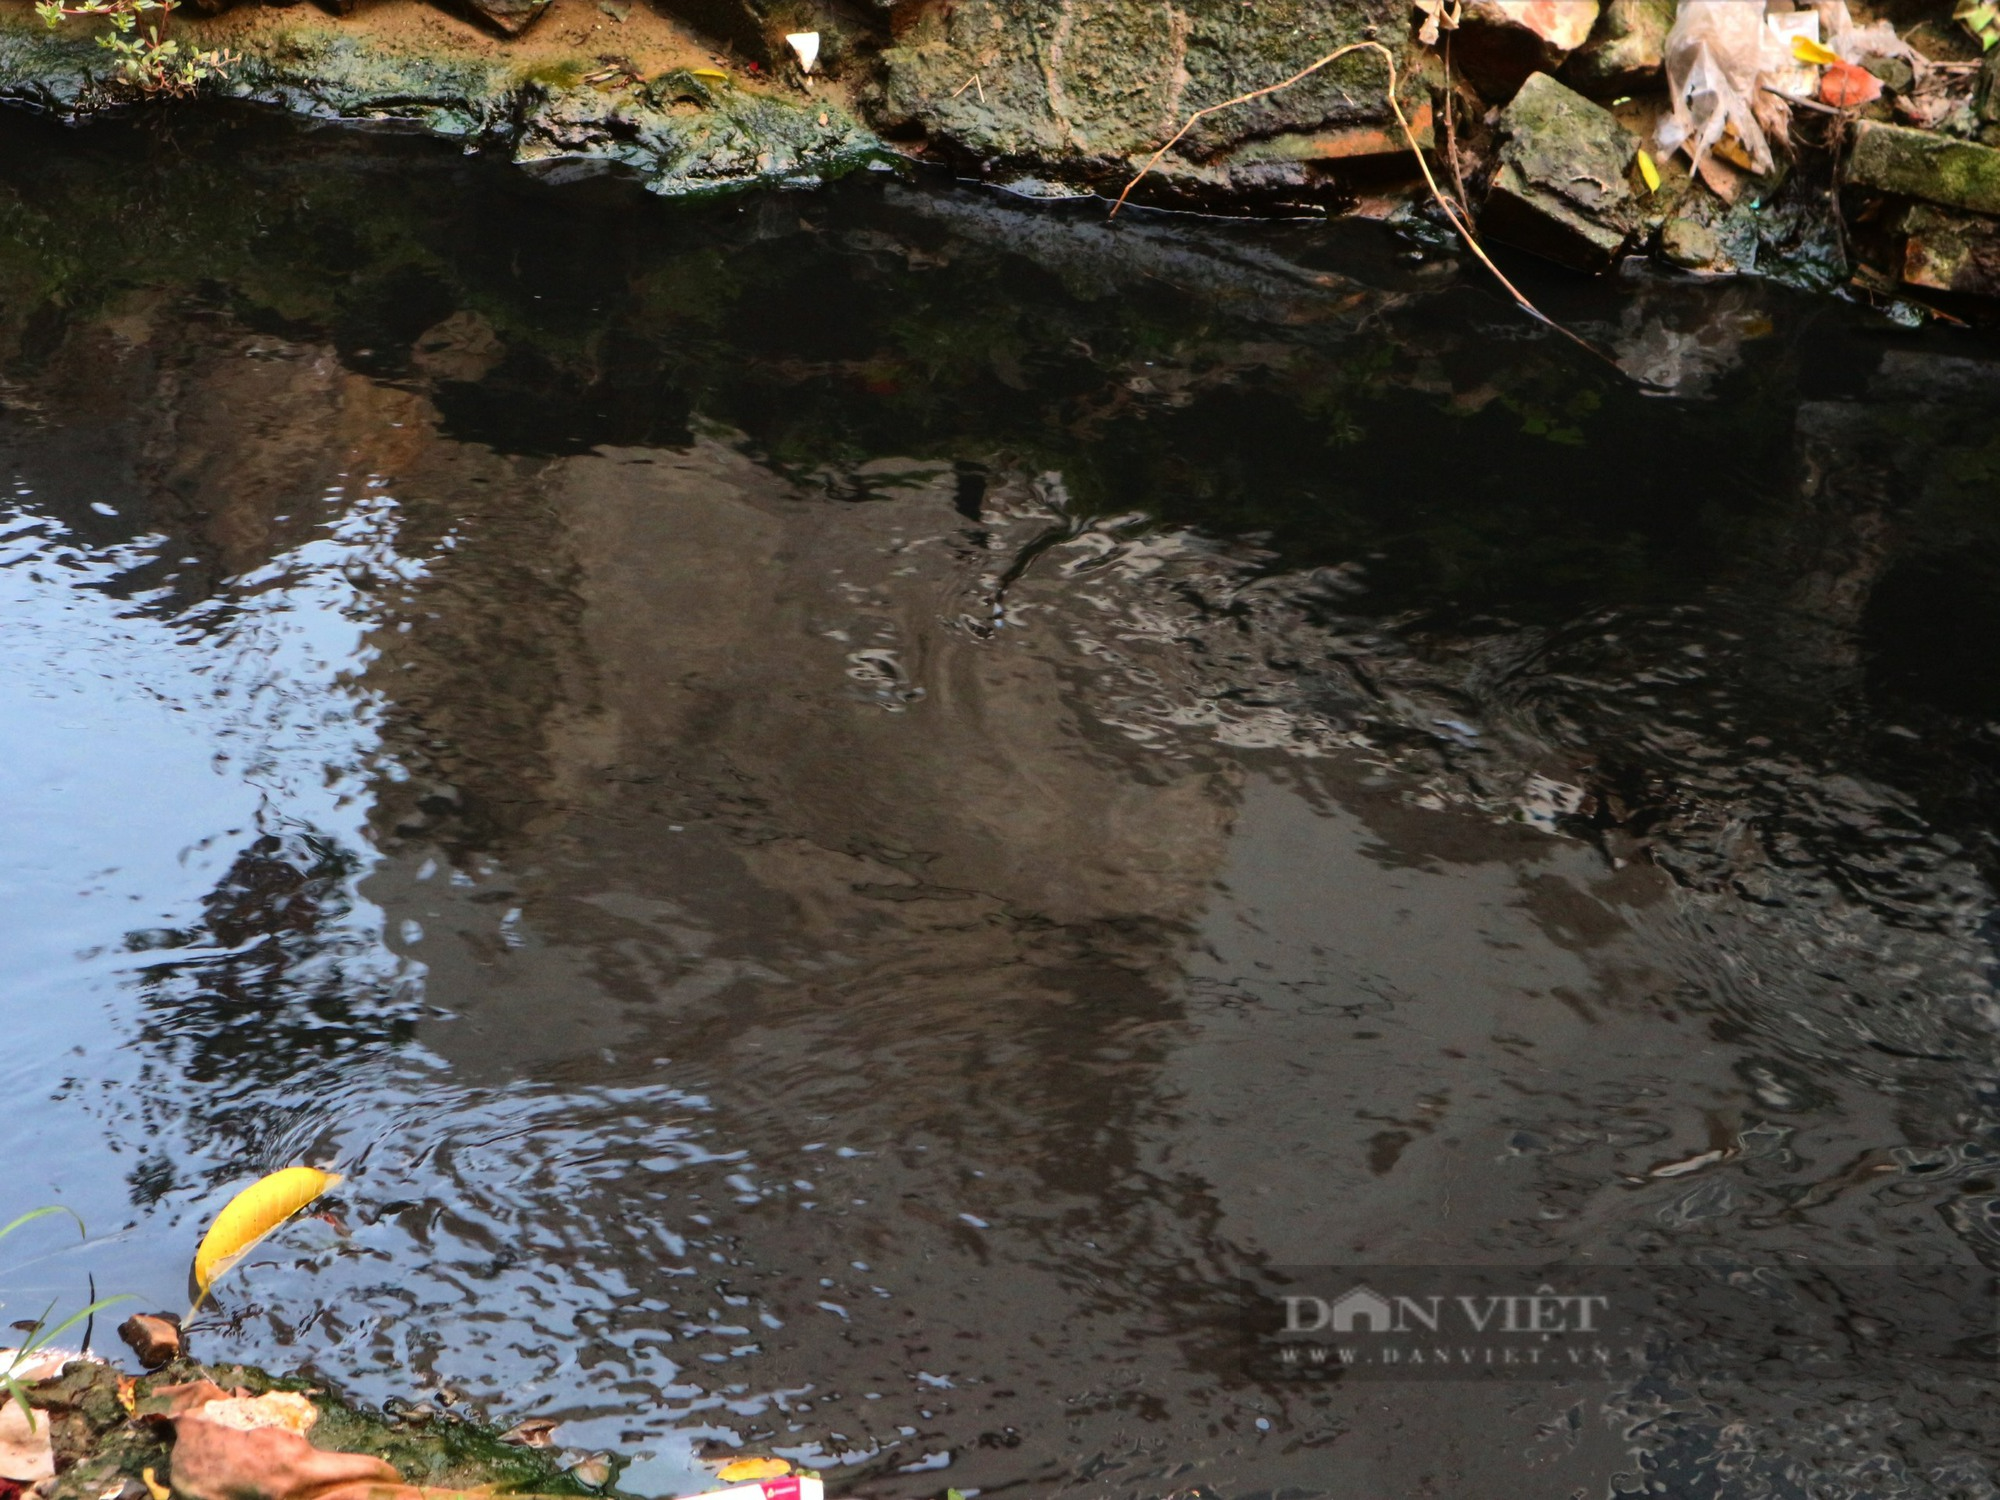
<point>1918,164</point>
<point>1085,90</point>
<point>558,106</point>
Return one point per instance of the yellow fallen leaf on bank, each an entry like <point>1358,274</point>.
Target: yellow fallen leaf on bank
<point>1650,172</point>
<point>153,1486</point>
<point>254,1213</point>
<point>1806,50</point>
<point>742,1470</point>
<point>714,75</point>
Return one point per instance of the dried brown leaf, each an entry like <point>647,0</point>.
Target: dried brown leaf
<point>25,1454</point>
<point>214,1462</point>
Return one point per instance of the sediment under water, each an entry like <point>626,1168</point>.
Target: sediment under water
<point>839,806</point>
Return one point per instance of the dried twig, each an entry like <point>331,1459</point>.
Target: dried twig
<point>1836,141</point>
<point>1451,129</point>
<point>1451,213</point>
<point>1812,104</point>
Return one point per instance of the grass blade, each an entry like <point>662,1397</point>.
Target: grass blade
<point>42,1213</point>
<point>13,1388</point>
<point>41,1339</point>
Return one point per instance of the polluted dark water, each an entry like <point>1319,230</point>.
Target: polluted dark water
<point>840,806</point>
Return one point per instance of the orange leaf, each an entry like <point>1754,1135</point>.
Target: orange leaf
<point>1845,86</point>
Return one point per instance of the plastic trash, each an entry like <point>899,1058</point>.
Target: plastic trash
<point>1857,44</point>
<point>1716,54</point>
<point>1733,66</point>
<point>805,47</point>
<point>1789,72</point>
<point>790,1487</point>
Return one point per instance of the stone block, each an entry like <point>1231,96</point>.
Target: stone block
<point>508,17</point>
<point>1951,252</point>
<point>1559,189</point>
<point>1626,54</point>
<point>1919,164</point>
<point>1499,43</point>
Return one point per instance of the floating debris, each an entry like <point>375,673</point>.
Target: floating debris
<point>254,1213</point>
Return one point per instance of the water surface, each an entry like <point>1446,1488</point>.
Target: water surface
<point>840,806</point>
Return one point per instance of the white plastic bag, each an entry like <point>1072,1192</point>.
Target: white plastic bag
<point>1856,44</point>
<point>1715,54</point>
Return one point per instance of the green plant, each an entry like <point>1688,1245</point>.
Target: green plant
<point>1982,19</point>
<point>148,59</point>
<point>40,1335</point>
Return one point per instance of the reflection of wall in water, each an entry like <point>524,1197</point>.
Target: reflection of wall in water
<point>781,748</point>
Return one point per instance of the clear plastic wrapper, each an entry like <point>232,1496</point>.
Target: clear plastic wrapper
<point>1717,53</point>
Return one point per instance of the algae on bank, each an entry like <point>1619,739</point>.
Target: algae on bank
<point>1068,97</point>
<point>560,101</point>
<point>105,1447</point>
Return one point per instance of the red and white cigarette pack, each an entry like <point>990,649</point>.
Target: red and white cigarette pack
<point>791,1487</point>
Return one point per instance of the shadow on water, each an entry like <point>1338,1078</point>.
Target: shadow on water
<point>840,806</point>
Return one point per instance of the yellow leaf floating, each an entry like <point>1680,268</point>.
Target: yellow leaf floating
<point>254,1213</point>
<point>1650,172</point>
<point>1806,50</point>
<point>753,1468</point>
